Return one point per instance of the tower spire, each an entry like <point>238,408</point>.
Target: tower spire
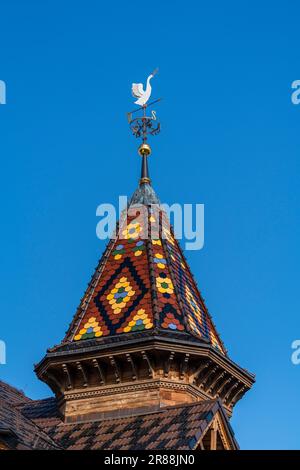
<point>142,125</point>
<point>142,337</point>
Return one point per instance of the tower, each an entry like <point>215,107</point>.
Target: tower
<point>142,338</point>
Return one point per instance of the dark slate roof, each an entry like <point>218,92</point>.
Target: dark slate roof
<point>36,424</point>
<point>144,194</point>
<point>15,428</point>
<point>40,410</point>
<point>12,394</point>
<point>175,427</point>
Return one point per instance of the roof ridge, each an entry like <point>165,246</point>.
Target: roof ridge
<point>17,391</point>
<point>15,421</point>
<point>41,400</point>
<point>194,403</point>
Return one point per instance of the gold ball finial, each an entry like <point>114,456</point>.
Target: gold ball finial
<point>144,149</point>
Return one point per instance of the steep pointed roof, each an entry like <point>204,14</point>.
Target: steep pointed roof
<point>142,336</point>
<point>143,283</point>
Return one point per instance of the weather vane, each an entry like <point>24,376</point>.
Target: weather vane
<point>143,125</point>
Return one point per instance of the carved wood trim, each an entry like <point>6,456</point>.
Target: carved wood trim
<point>184,365</point>
<point>229,391</point>
<point>220,374</point>
<point>134,370</point>
<point>168,364</point>
<point>54,381</point>
<point>146,358</point>
<point>207,376</point>
<point>81,370</point>
<point>67,376</point>
<point>100,371</point>
<point>233,398</point>
<point>227,442</point>
<point>198,371</point>
<point>222,385</point>
<point>116,368</point>
<point>122,388</point>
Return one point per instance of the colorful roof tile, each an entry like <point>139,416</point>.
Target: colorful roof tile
<point>143,282</point>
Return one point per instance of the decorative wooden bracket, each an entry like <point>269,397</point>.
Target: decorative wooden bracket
<point>116,369</point>
<point>222,385</point>
<point>215,380</point>
<point>229,391</point>
<point>183,366</point>
<point>82,371</point>
<point>198,371</point>
<point>134,371</point>
<point>237,396</point>
<point>100,371</point>
<point>207,376</point>
<point>54,380</point>
<point>234,392</point>
<point>150,368</point>
<point>68,377</point>
<point>168,364</point>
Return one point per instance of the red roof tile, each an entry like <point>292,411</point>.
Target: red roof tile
<point>142,284</point>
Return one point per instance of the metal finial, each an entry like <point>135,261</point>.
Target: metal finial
<point>144,149</point>
<point>142,126</point>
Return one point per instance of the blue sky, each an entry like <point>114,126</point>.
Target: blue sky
<point>230,140</point>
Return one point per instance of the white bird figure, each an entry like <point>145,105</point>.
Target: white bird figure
<point>139,92</point>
